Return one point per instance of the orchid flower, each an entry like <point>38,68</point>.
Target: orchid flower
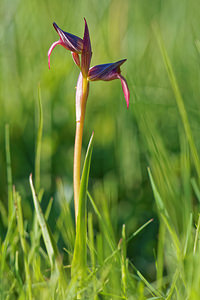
<point>69,42</point>
<point>76,45</point>
<point>109,72</point>
<point>105,72</point>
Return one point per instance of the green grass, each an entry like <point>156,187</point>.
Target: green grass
<point>138,229</point>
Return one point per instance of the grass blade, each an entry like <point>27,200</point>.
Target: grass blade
<point>196,235</point>
<point>9,172</point>
<point>150,287</point>
<point>164,215</point>
<point>6,243</point>
<point>20,224</point>
<point>124,262</point>
<point>38,143</point>
<point>92,253</point>
<point>138,230</point>
<point>47,235</point>
<point>104,225</point>
<point>179,101</point>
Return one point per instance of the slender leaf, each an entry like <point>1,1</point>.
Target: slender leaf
<point>38,143</point>
<point>47,235</point>
<point>9,172</point>
<point>79,261</point>
<point>20,224</point>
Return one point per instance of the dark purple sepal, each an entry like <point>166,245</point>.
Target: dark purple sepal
<point>105,72</point>
<point>86,52</point>
<point>69,41</point>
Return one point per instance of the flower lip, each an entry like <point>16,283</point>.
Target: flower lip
<point>125,89</point>
<point>105,72</point>
<point>69,41</point>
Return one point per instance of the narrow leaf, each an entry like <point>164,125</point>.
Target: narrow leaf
<point>47,235</point>
<point>9,172</point>
<point>80,256</point>
<point>164,215</point>
<point>38,142</point>
<point>20,224</point>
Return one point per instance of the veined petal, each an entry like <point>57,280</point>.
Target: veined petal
<point>69,41</point>
<point>86,52</point>
<point>125,89</point>
<point>105,72</point>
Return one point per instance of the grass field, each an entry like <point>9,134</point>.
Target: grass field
<point>143,196</point>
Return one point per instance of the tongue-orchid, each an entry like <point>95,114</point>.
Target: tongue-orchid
<point>105,72</point>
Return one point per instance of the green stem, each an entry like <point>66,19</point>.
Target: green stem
<point>78,144</point>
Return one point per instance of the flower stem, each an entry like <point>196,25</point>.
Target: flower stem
<point>78,141</point>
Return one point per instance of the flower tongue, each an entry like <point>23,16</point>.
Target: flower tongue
<point>125,89</point>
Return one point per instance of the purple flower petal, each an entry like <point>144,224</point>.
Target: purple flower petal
<point>86,52</point>
<point>69,41</point>
<point>105,72</point>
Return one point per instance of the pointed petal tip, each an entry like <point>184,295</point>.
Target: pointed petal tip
<point>86,25</point>
<point>86,51</point>
<point>127,97</point>
<point>122,61</point>
<point>55,26</point>
<point>128,104</point>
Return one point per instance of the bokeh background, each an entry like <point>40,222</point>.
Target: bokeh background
<point>122,148</point>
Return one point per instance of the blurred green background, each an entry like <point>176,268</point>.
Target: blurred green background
<point>122,148</point>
